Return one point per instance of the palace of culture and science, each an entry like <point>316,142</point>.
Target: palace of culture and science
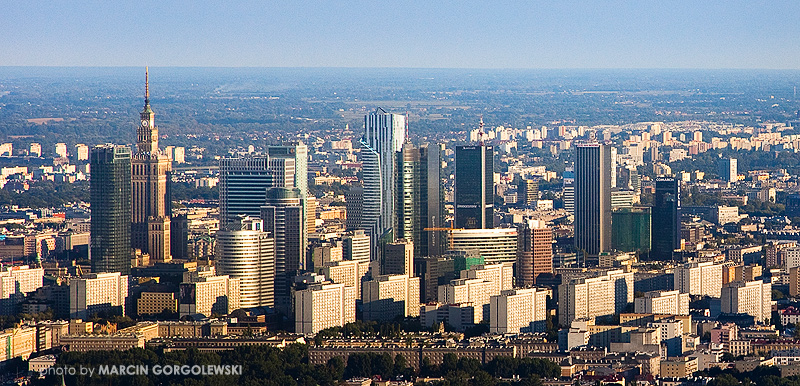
<point>151,169</point>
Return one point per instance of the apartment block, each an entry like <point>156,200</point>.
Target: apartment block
<point>662,302</point>
<point>752,298</point>
<point>388,296</point>
<point>702,279</point>
<point>518,310</point>
<point>323,306</point>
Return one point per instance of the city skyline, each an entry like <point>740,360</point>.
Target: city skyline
<point>589,34</point>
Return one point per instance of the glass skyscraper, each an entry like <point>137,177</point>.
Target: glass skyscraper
<point>474,187</point>
<point>110,195</point>
<point>592,201</point>
<point>666,218</point>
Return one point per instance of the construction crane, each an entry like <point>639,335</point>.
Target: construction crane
<point>449,230</point>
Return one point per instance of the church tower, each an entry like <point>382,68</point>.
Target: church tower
<point>150,178</point>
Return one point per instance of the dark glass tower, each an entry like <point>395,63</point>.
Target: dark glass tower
<point>666,218</point>
<point>419,198</point>
<point>474,187</point>
<point>110,194</point>
<point>592,201</point>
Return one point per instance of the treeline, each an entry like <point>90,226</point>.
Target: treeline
<point>761,376</point>
<point>270,366</point>
<point>46,194</point>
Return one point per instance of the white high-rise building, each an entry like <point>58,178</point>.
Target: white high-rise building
<point>662,302</point>
<point>600,296</point>
<point>81,152</point>
<point>209,294</point>
<point>388,296</point>
<point>322,306</point>
<point>245,252</point>
<point>518,310</point>
<point>702,279</point>
<point>356,245</point>
<point>347,272</point>
<point>15,282</point>
<point>501,275</point>
<point>751,298</point>
<point>35,150</point>
<point>382,143</point>
<point>476,286</point>
<point>97,292</point>
<point>61,150</point>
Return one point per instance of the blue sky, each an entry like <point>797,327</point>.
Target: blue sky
<point>438,34</point>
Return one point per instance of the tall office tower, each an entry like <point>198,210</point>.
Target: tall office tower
<point>110,193</point>
<point>243,183</point>
<point>398,258</point>
<point>419,204</point>
<point>382,143</point>
<point>662,302</point>
<point>284,218</point>
<point>728,170</point>
<point>592,201</point>
<point>81,152</point>
<point>568,190</point>
<point>97,292</point>
<point>35,150</point>
<point>322,306</point>
<point>298,152</point>
<point>354,204</point>
<point>534,252</point>
<point>474,187</point>
<point>152,204</point>
<point>702,279</point>
<point>527,192</point>
<point>753,298</point>
<point>245,252</point>
<point>666,217</point>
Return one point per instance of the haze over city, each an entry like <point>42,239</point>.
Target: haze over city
<point>400,193</point>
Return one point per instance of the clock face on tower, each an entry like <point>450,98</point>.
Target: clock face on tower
<point>145,123</point>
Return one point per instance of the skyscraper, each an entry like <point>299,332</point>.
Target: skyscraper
<point>284,219</point>
<point>152,204</point>
<point>245,252</point>
<point>382,142</point>
<point>419,203</point>
<point>667,218</point>
<point>568,190</point>
<point>534,252</point>
<point>243,181</point>
<point>474,187</point>
<point>728,169</point>
<point>592,201</point>
<point>110,193</point>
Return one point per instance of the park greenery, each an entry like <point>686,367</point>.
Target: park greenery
<point>262,365</point>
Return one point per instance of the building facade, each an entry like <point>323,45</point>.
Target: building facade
<point>151,171</point>
<point>474,187</point>
<point>592,201</point>
<point>245,252</point>
<point>110,195</point>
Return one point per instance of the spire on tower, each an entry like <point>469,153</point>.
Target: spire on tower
<point>480,131</point>
<point>146,85</point>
